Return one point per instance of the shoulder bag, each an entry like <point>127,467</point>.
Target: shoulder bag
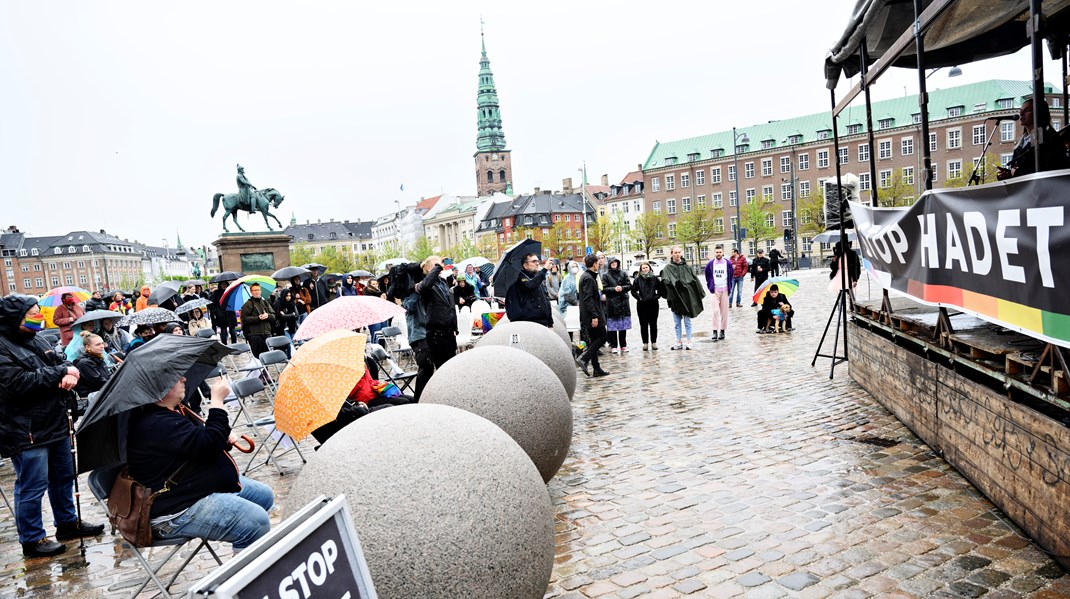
<point>129,505</point>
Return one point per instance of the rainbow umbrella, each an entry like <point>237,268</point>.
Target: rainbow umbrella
<point>786,285</point>
<point>237,293</point>
<point>54,297</point>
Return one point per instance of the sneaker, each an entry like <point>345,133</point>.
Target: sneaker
<point>760,331</point>
<point>615,351</point>
<point>677,345</point>
<point>715,336</point>
<point>74,530</point>
<point>623,349</point>
<point>646,346</point>
<point>46,547</point>
<point>687,345</point>
<point>653,347</point>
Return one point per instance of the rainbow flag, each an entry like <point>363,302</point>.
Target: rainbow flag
<point>490,319</point>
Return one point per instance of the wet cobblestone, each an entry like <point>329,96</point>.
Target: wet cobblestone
<point>731,470</point>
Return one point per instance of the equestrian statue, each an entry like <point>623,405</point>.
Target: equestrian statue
<point>248,199</point>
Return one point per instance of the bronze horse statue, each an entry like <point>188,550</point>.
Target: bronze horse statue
<point>262,201</point>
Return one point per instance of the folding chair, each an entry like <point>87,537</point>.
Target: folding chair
<point>100,483</point>
<point>277,360</point>
<point>398,344</point>
<point>244,389</point>
<point>280,342</point>
<point>464,328</point>
<point>404,380</point>
<point>241,348</point>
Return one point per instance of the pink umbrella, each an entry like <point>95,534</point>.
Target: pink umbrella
<point>347,313</point>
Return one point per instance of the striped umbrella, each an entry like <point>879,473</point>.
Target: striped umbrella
<point>785,285</point>
<point>54,297</point>
<point>237,293</point>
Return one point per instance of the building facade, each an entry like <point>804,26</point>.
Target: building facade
<point>452,224</point>
<point>792,158</point>
<point>493,162</point>
<point>554,219</point>
<point>624,206</point>
<point>343,236</point>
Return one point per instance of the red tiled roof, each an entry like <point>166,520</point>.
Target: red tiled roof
<point>428,203</point>
<point>632,177</point>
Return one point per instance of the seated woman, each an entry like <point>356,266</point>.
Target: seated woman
<point>115,338</point>
<point>464,294</point>
<point>363,399</point>
<point>774,301</point>
<point>207,499</point>
<point>198,321</point>
<point>142,334</point>
<point>93,365</point>
<point>74,349</point>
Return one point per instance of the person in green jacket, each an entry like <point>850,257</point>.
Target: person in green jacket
<point>683,292</point>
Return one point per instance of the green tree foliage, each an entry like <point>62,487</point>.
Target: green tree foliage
<point>755,217</point>
<point>487,246</point>
<point>465,250</point>
<point>421,250</point>
<point>697,227</point>
<point>600,236</point>
<point>302,253</point>
<point>649,232</point>
<point>987,173</point>
<point>555,242</point>
<point>811,217</point>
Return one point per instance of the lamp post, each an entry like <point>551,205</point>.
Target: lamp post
<point>794,211</point>
<point>583,200</point>
<point>736,139</point>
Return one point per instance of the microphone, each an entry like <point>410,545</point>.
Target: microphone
<point>1008,117</point>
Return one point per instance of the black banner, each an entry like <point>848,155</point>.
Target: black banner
<point>998,251</point>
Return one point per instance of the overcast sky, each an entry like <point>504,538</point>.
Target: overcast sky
<point>129,116</point>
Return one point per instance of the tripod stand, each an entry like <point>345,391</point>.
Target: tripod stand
<point>839,313</point>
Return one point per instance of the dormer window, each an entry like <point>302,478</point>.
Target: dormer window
<point>70,249</point>
<point>311,236</point>
<point>741,148</point>
<point>768,144</point>
<point>85,248</point>
<point>795,139</point>
<point>671,160</point>
<point>717,152</point>
<point>334,235</point>
<point>33,252</point>
<point>854,128</point>
<point>692,156</point>
<point>23,252</point>
<point>885,123</point>
<point>57,251</point>
<point>955,111</point>
<point>824,134</point>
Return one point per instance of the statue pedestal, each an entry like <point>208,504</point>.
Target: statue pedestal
<point>253,253</point>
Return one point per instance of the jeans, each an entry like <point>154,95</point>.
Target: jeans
<point>45,467</point>
<point>737,287</point>
<point>686,320</point>
<point>238,518</point>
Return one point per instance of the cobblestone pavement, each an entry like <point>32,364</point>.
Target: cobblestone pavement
<point>734,469</point>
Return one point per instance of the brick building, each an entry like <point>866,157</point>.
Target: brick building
<point>538,216</point>
<point>682,174</point>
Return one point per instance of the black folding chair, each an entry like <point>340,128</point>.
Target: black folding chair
<point>403,381</point>
<point>100,483</point>
<point>280,342</point>
<point>394,341</point>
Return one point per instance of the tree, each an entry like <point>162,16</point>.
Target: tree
<point>555,242</point>
<point>302,253</point>
<point>422,249</point>
<point>986,174</point>
<point>389,250</point>
<point>464,250</point>
<point>600,235</point>
<point>812,216</point>
<point>649,232</point>
<point>697,227</point>
<point>756,216</point>
<point>487,246</point>
<point>898,192</point>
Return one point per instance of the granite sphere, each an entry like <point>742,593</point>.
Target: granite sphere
<point>517,392</point>
<point>444,502</point>
<point>540,342</point>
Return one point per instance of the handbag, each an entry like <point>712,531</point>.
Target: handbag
<point>129,505</point>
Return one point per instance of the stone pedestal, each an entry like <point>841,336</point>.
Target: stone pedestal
<point>253,253</point>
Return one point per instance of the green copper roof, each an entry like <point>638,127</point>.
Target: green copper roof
<point>489,122</point>
<point>976,97</point>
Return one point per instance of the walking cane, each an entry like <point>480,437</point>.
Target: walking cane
<point>77,491</point>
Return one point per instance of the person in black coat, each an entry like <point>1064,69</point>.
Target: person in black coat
<point>207,497</point>
<point>463,293</point>
<point>592,317</point>
<point>286,313</point>
<point>317,289</point>
<point>94,370</point>
<point>646,291</point>
<point>616,285</point>
<point>527,299</point>
<point>854,264</point>
<point>759,271</point>
<point>95,303</point>
<point>222,319</point>
<point>774,300</point>
<point>774,262</point>
<point>35,388</point>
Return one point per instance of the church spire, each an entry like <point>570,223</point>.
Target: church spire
<point>489,119</point>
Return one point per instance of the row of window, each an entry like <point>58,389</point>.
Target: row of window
<point>884,152</point>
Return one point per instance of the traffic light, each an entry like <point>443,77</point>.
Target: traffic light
<point>787,234</point>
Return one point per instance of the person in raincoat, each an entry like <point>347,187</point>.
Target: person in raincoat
<point>683,292</point>
<point>35,386</point>
<point>569,292</point>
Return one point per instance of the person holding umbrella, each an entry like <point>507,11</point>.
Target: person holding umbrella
<point>66,313</point>
<point>35,384</point>
<point>526,299</point>
<point>257,318</point>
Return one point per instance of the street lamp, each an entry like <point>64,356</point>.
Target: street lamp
<point>583,200</point>
<point>794,211</point>
<point>736,140</point>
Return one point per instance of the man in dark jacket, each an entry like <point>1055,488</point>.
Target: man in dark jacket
<point>317,289</point>
<point>760,271</point>
<point>527,299</point>
<point>257,320</point>
<point>207,498</point>
<point>95,303</point>
<point>774,262</point>
<point>35,384</point>
<point>222,318</point>
<point>592,316</point>
<point>432,323</point>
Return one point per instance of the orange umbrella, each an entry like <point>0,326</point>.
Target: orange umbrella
<point>321,374</point>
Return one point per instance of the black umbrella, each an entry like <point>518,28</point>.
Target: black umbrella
<point>143,378</point>
<point>95,315</point>
<point>315,266</point>
<point>161,294</point>
<point>361,273</point>
<point>226,277</point>
<point>176,285</point>
<point>285,274</point>
<point>512,262</point>
<point>149,316</point>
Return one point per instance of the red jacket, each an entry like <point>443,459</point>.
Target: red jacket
<point>739,266</point>
<point>64,317</point>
